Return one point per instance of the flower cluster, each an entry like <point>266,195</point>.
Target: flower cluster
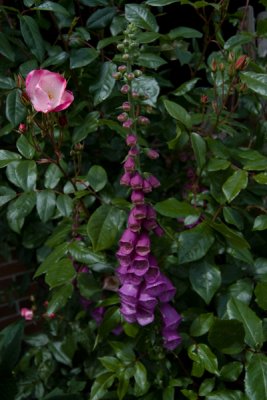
<point>143,285</point>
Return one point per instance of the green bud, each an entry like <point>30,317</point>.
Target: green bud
<point>120,47</point>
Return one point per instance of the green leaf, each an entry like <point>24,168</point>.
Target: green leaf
<point>234,184</point>
<point>52,176</point>
<point>230,372</point>
<point>256,378</point>
<point>89,125</point>
<point>10,345</point>
<point>105,83</point>
<point>101,18</point>
<point>5,48</point>
<point>147,37</point>
<point>148,86</point>
<point>23,174</point>
<point>111,320</point>
<point>101,385</point>
<point>216,164</point>
<point>233,217</point>
<point>7,157</point>
<point>52,7</point>
<point>226,394</point>
<point>233,237</point>
<point>186,33</point>
<point>206,386</point>
<point>260,292</point>
<point>60,273</point>
<point>82,57</point>
<point>254,81</point>
<point>32,37</point>
<point>205,279</point>
<point>60,296</point>
<point>56,59</point>
<point>227,336</point>
<point>18,209</point>
<point>185,87</point>
<point>140,376</point>
<point>201,324</point>
<point>168,393</point>
<point>88,286</point>
<point>260,223</point>
<point>15,110</point>
<point>261,178</point>
<point>160,3</point>
<point>25,147</point>
<point>64,205</point>
<point>194,243</point>
<point>85,255</point>
<point>200,149</point>
<point>6,194</point>
<point>140,16</point>
<point>103,227</point>
<point>238,40</point>
<point>122,387</point>
<point>7,83</point>
<point>178,112</point>
<point>57,254</point>
<point>252,324</point>
<point>202,353</point>
<point>45,204</point>
<point>97,177</point>
<point>110,363</point>
<point>175,209</point>
<point>150,60</point>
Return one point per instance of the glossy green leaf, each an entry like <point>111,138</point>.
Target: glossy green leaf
<point>101,385</point>
<point>103,227</point>
<point>199,148</point>
<point>261,178</point>
<point>174,208</point>
<point>57,59</point>
<point>230,372</point>
<point>81,57</point>
<point>185,87</point>
<point>85,255</point>
<point>18,210</point>
<point>203,354</point>
<point>15,110</point>
<point>97,177</point>
<point>60,296</point>
<point>226,394</point>
<point>194,243</point>
<point>256,378</point>
<point>178,112</point>
<point>140,16</point>
<point>7,83</point>
<point>233,217</point>
<point>260,292</point>
<point>201,324</point>
<point>25,147</point>
<point>23,174</point>
<point>111,320</point>
<point>52,7</point>
<point>54,257</point>
<point>6,194</point>
<point>88,286</point>
<point>101,18</point>
<point>205,279</point>
<point>255,81</point>
<point>45,204</point>
<point>122,387</point>
<point>217,164</point>
<point>150,60</point>
<point>148,86</point>
<point>227,336</point>
<point>140,376</point>
<point>110,363</point>
<point>10,345</point>
<point>32,37</point>
<point>64,205</point>
<point>234,184</point>
<point>233,237</point>
<point>260,223</point>
<point>206,386</point>
<point>252,324</point>
<point>60,273</point>
<point>184,32</point>
<point>238,40</point>
<point>5,48</point>
<point>7,157</point>
<point>89,125</point>
<point>160,3</point>
<point>52,176</point>
<point>147,37</point>
<point>105,83</point>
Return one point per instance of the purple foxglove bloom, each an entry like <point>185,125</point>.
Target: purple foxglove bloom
<point>147,187</point>
<point>133,224</point>
<point>169,291</point>
<point>143,120</point>
<point>152,274</point>
<point>130,318</point>
<point>154,182</point>
<point>130,278</point>
<point>143,316</point>
<point>137,181</point>
<point>142,247</point>
<point>137,197</point>
<point>139,211</point>
<point>127,124</point>
<point>139,265</point>
<point>158,230</point>
<point>147,302</point>
<point>128,241</point>
<point>126,179</point>
<point>171,339</point>
<point>129,164</point>
<point>124,258</point>
<point>150,212</point>
<point>152,154</point>
<point>98,314</point>
<point>133,151</point>
<point>150,224</point>
<point>171,318</point>
<point>129,293</point>
<point>131,140</point>
<point>122,117</point>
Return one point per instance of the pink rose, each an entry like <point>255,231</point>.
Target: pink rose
<point>46,91</point>
<point>26,313</point>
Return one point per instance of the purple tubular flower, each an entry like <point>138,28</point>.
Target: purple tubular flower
<point>158,230</point>
<point>126,106</point>
<point>127,124</point>
<point>139,211</point>
<point>131,139</point>
<point>150,224</point>
<point>133,223</point>
<point>171,318</point>
<point>133,151</point>
<point>126,179</point>
<point>154,182</point>
<point>140,265</point>
<point>98,314</point>
<point>146,301</point>
<point>137,197</point>
<point>142,247</point>
<point>171,339</point>
<point>128,241</point>
<point>143,120</point>
<point>147,187</point>
<point>150,212</point>
<point>129,165</point>
<point>169,291</point>
<point>129,293</point>
<point>137,181</point>
<point>128,312</point>
<point>124,257</point>
<point>144,316</point>
<point>152,154</point>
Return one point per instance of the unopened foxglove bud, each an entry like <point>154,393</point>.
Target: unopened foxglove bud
<point>143,120</point>
<point>122,117</point>
<point>131,140</point>
<point>152,154</point>
<point>125,89</point>
<point>128,124</point>
<point>129,165</point>
<point>126,106</point>
<point>122,68</point>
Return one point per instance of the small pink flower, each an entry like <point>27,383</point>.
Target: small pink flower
<point>22,128</point>
<point>47,91</point>
<point>26,313</point>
